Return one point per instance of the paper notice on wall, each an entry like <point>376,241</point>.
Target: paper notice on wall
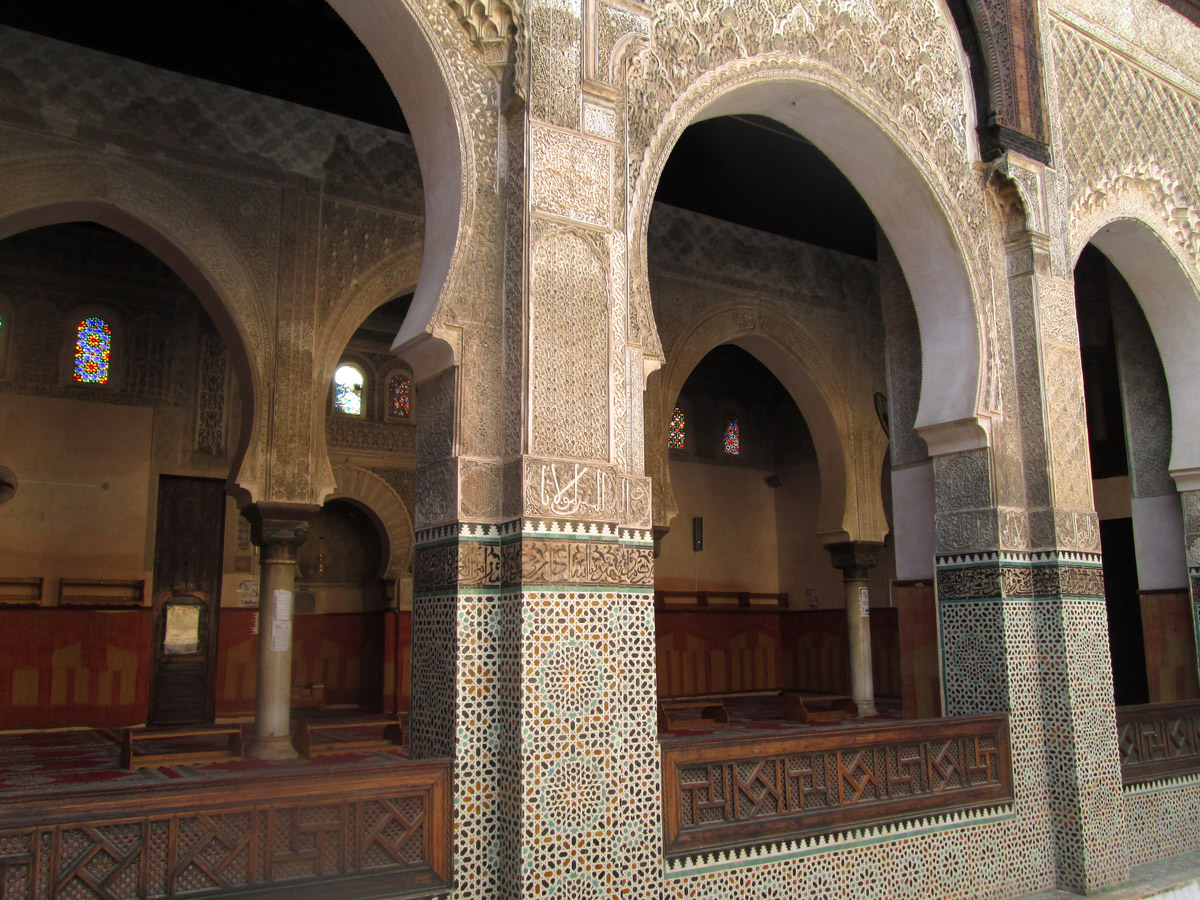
<point>864,602</point>
<point>283,606</point>
<point>281,636</point>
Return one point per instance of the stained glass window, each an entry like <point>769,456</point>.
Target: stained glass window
<point>93,347</point>
<point>678,438</point>
<point>733,441</point>
<point>348,390</point>
<point>399,392</point>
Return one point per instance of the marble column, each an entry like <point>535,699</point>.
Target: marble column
<point>278,529</point>
<point>856,559</point>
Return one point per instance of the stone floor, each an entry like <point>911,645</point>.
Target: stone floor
<point>1173,878</point>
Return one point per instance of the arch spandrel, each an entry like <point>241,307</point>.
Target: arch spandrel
<point>392,277</point>
<point>53,189</point>
<point>879,89</point>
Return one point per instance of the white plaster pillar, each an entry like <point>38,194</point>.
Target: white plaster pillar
<point>856,559</point>
<point>278,529</point>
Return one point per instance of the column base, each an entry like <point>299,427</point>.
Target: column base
<point>866,708</point>
<point>271,748</point>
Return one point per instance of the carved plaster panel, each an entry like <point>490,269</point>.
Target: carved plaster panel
<point>569,355</point>
<point>352,433</point>
<point>1056,302</point>
<point>481,405</point>
<point>613,26</point>
<point>556,489</point>
<point>436,494</point>
<point>1077,530</point>
<point>599,121</point>
<point>354,239</point>
<point>479,488</point>
<point>1124,155</point>
<point>436,423</point>
<point>570,175</point>
<point>1068,427</point>
<point>962,481</point>
<point>966,531</point>
<point>555,61</point>
<point>1014,529</point>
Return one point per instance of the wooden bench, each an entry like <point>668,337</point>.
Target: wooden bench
<point>800,706</point>
<point>694,714</point>
<point>179,756</point>
<point>328,736</point>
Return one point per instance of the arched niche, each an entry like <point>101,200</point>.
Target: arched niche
<point>914,211</point>
<point>1171,303</point>
<point>183,235</point>
<point>376,497</point>
<point>395,34</point>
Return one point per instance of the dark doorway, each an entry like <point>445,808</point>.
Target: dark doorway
<point>1123,605</point>
<point>187,577</point>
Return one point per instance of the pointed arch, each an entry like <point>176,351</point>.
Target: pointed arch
<point>798,361</point>
<point>914,209</point>
<point>1170,299</point>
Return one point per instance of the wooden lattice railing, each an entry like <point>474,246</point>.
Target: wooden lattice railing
<point>315,832</point>
<point>743,791</point>
<point>1159,740</point>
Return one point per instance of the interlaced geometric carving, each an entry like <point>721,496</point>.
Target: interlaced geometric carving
<point>831,780</point>
<point>1159,740</point>
<point>136,846</point>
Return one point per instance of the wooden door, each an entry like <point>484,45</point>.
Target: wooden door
<point>187,578</point>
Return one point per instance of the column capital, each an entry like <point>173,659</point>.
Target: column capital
<point>855,558</point>
<point>280,527</point>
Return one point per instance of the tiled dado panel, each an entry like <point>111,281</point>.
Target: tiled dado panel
<point>534,663</point>
<point>464,705</point>
<point>1026,633</point>
<point>589,767</point>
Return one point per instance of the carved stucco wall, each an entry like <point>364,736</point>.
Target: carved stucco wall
<point>277,216</point>
<point>1125,158</point>
<point>1126,88</point>
<point>811,314</point>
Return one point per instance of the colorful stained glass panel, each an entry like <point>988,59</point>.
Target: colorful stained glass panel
<point>733,439</point>
<point>348,390</point>
<point>678,438</point>
<point>93,349</point>
<point>399,394</point>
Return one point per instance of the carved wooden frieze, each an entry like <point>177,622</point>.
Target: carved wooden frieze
<point>1159,740</point>
<point>306,830</point>
<point>740,792</point>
